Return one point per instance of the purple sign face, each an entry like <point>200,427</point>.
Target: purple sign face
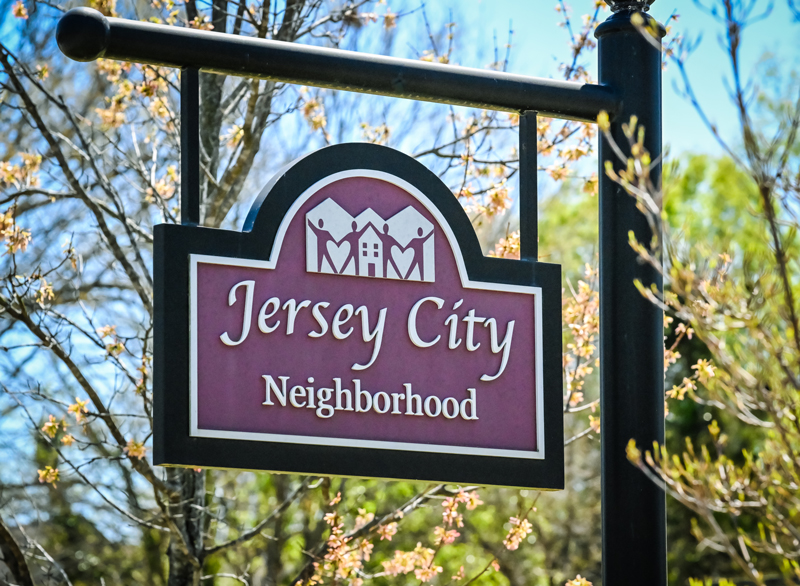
<point>363,330</point>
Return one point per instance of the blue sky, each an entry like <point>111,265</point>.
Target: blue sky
<point>540,45</point>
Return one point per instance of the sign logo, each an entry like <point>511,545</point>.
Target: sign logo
<point>400,247</point>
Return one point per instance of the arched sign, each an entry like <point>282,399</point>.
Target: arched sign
<point>355,328</point>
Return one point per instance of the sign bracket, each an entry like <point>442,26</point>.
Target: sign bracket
<point>84,34</point>
<point>631,334</point>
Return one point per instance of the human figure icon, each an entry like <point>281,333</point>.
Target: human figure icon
<point>418,246</point>
<point>323,237</point>
<point>353,238</point>
<point>387,242</point>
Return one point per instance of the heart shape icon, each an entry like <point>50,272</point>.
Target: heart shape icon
<point>338,254</point>
<point>402,260</point>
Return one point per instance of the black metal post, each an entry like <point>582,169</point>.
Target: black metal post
<point>190,146</point>
<point>528,187</point>
<point>631,328</point>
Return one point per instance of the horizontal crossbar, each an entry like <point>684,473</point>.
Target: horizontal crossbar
<point>84,34</point>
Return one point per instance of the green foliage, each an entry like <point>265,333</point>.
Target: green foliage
<point>569,230</point>
<point>710,582</point>
<point>731,278</point>
<point>714,204</point>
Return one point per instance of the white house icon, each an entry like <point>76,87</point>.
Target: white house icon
<point>370,257</point>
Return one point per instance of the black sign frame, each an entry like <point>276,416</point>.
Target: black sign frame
<point>173,444</point>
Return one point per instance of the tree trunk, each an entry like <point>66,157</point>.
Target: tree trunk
<point>186,511</point>
<point>13,558</point>
<point>272,553</point>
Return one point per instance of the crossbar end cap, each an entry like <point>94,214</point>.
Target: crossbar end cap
<point>82,34</point>
<point>638,5</point>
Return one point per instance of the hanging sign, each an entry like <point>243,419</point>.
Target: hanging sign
<point>355,328</point>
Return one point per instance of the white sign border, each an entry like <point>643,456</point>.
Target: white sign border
<point>466,283</point>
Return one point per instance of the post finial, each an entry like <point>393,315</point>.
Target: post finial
<point>630,5</point>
